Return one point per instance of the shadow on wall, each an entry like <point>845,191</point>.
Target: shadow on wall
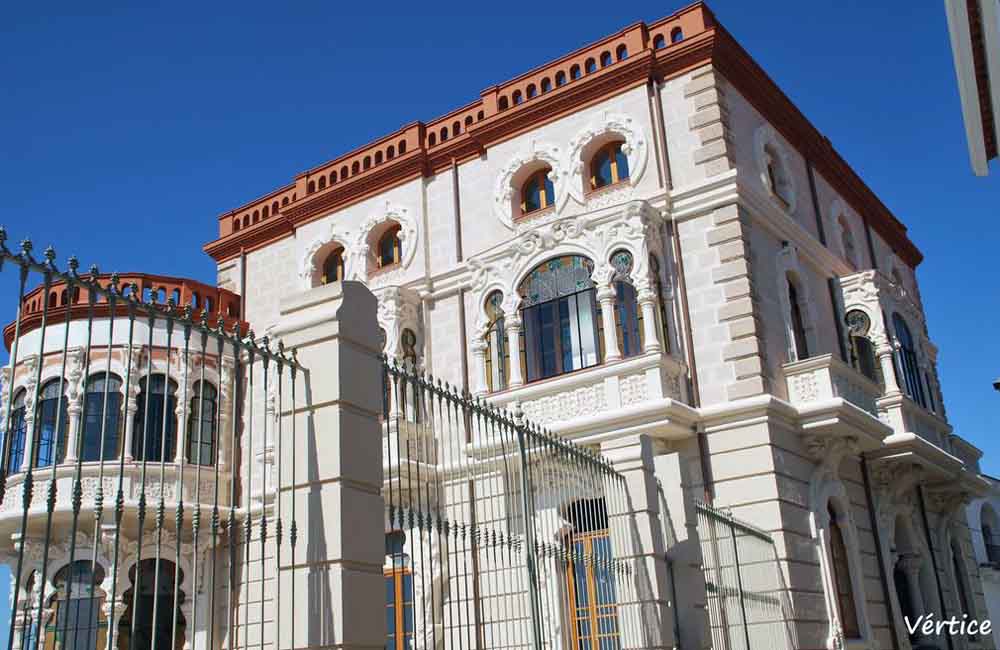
<point>649,613</point>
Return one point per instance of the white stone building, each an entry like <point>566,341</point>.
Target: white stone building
<point>646,249</point>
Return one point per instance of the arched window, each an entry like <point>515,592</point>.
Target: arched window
<point>153,593</point>
<point>559,310</point>
<point>333,266</point>
<point>151,440</point>
<point>847,238</point>
<point>590,66</point>
<point>102,420</point>
<point>516,97</point>
<point>661,301</point>
<point>659,42</point>
<point>201,424</point>
<point>390,249</point>
<point>907,361</point>
<point>605,59</point>
<point>322,183</point>
<point>502,103</point>
<point>622,52</point>
<point>676,35</point>
<point>17,433</point>
<point>777,175</point>
<point>431,139</point>
<point>608,166</point>
<point>590,585</point>
<point>497,354</point>
<point>546,85</point>
<point>52,424</point>
<point>79,622</point>
<point>531,91</point>
<point>574,72</point>
<point>537,193</point>
<point>798,322</point>
<point>399,613</point>
<point>861,348</point>
<point>560,78</point>
<point>628,318</point>
<point>841,568</point>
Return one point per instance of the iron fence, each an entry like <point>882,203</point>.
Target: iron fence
<point>748,604</point>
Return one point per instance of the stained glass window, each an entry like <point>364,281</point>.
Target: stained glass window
<point>497,355</point>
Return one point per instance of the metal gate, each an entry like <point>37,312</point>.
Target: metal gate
<point>747,601</point>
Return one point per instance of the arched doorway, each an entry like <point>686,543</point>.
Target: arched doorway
<point>154,588</point>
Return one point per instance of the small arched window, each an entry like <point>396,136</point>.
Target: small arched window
<point>560,315</point>
<point>531,91</point>
<point>266,212</point>
<point>503,103</point>
<point>333,266</point>
<point>608,166</point>
<point>605,59</point>
<point>310,188</point>
<point>908,367</point>
<point>628,317</point>
<point>546,85</point>
<point>659,42</point>
<point>355,168</point>
<point>322,182</point>
<point>390,248</point>
<point>590,65</point>
<point>517,97</point>
<point>431,139</point>
<point>52,424</point>
<point>574,72</point>
<point>378,157</point>
<point>622,52</point>
<point>840,564</point>
<point>402,147</point>
<point>861,348</point>
<point>798,322</point>
<point>201,431</point>
<point>497,354</point>
<point>157,403</point>
<point>103,422</point>
<point>18,432</point>
<point>367,162</point>
<point>444,133</point>
<point>537,193</point>
<point>390,153</point>
<point>560,78</point>
<point>676,35</point>
<point>468,122</point>
<point>847,239</point>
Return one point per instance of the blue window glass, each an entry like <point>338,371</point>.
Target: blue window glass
<point>52,424</point>
<point>17,434</point>
<point>201,424</point>
<point>152,440</point>
<point>101,420</point>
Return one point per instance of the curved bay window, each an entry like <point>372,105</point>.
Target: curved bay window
<point>861,349</point>
<point>628,316</point>
<point>79,622</point>
<point>399,618</point>
<point>17,431</point>
<point>608,166</point>
<point>841,568</point>
<point>908,368</point>
<point>201,424</point>
<point>561,320</point>
<point>52,424</point>
<point>140,599</point>
<point>537,193</point>
<point>333,266</point>
<point>152,440</point>
<point>497,354</point>
<point>590,584</point>
<point>102,419</point>
<point>390,248</point>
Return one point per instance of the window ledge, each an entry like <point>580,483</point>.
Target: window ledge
<point>383,269</point>
<point>592,193</point>
<point>527,216</point>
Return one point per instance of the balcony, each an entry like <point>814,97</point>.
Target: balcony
<point>906,416</point>
<point>633,392</point>
<point>824,378</point>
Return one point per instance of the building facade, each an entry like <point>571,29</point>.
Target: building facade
<point>706,319</point>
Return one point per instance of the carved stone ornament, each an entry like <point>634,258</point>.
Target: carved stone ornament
<point>505,191</point>
<point>635,149</point>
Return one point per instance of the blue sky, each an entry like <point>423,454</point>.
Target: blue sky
<point>126,130</point>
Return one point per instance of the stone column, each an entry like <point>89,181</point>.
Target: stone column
<point>182,428</point>
<point>646,613</point>
<point>29,438</point>
<point>113,614</point>
<point>606,296</point>
<point>73,411</point>
<point>479,384</point>
<point>512,321</point>
<point>131,407</point>
<point>884,352</point>
<point>339,513</point>
<point>650,332</point>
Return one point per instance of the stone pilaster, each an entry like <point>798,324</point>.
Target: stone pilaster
<point>710,122</point>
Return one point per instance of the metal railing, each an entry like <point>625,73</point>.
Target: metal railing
<point>748,603</point>
<point>499,534</point>
<point>139,541</point>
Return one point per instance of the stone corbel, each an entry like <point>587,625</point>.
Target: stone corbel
<point>828,452</point>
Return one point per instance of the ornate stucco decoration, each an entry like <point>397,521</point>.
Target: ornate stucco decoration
<point>635,149</point>
<point>787,262</point>
<point>310,263</point>
<point>508,181</point>
<point>398,310</point>
<point>766,144</point>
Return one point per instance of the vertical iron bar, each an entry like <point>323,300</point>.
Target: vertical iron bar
<point>160,506</point>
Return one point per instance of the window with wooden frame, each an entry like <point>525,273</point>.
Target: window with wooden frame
<point>497,353</point>
<point>390,250</point>
<point>333,266</point>
<point>608,166</point>
<point>399,618</point>
<point>840,564</point>
<point>590,586</point>
<point>537,193</point>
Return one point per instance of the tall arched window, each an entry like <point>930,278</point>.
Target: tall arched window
<point>608,166</point>
<point>155,592</point>
<point>628,317</point>
<point>399,618</point>
<point>79,622</point>
<point>590,585</point>
<point>798,322</point>
<point>52,424</point>
<point>497,355</point>
<point>201,424</point>
<point>840,564</point>
<point>861,348</point>
<point>661,301</point>
<point>847,238</point>
<point>333,266</point>
<point>777,175</point>
<point>390,248</point>
<point>102,421</point>
<point>152,441</point>
<point>559,310</point>
<point>537,193</point>
<point>17,433</point>
<point>908,367</point>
